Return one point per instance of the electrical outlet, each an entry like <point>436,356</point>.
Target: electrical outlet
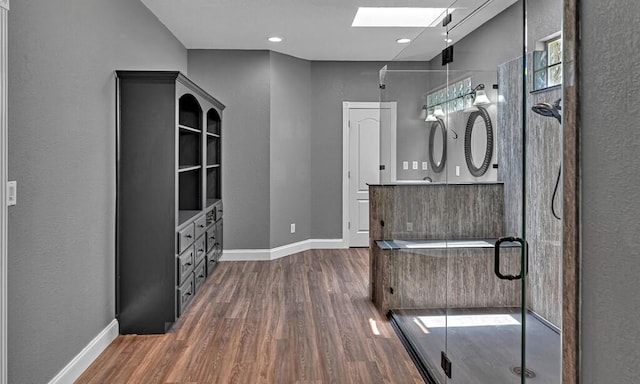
<point>12,193</point>
<point>425,166</point>
<point>405,165</point>
<point>293,227</point>
<point>415,165</point>
<point>409,227</point>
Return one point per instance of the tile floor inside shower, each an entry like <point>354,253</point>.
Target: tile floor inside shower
<point>483,345</point>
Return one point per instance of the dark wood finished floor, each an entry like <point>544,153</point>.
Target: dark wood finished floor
<point>305,318</point>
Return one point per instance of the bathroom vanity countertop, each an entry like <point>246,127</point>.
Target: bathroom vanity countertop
<point>440,244</point>
<point>427,183</point>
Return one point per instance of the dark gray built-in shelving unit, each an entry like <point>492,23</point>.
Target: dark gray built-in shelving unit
<point>169,199</point>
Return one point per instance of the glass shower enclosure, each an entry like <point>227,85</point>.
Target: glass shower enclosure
<point>466,231</point>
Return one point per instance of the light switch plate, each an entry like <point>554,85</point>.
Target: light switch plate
<point>12,193</point>
<point>415,165</point>
<point>457,170</point>
<point>405,165</point>
<point>293,227</point>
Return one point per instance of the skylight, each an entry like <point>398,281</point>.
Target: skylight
<point>398,17</point>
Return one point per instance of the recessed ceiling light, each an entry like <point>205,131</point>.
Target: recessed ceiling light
<point>398,17</point>
<point>275,39</point>
<point>403,41</point>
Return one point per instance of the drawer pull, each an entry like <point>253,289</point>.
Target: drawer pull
<point>201,225</point>
<point>188,236</point>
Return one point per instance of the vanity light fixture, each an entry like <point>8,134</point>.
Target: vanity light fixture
<point>427,114</point>
<point>437,111</point>
<point>424,113</point>
<point>275,39</point>
<point>480,96</point>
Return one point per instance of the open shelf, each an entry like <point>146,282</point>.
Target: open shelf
<point>190,113</point>
<point>187,168</point>
<point>189,129</point>
<point>213,122</point>
<point>189,152</point>
<point>189,190</point>
<point>213,183</point>
<point>186,215</point>
<point>213,150</point>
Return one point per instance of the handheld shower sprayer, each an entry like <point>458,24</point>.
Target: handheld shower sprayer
<point>551,110</point>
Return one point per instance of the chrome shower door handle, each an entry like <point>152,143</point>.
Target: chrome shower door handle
<point>524,258</point>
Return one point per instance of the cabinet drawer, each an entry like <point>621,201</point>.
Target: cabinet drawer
<point>211,264</point>
<point>200,226</point>
<point>200,275</point>
<point>211,238</point>
<point>185,265</point>
<point>199,249</point>
<point>185,237</point>
<point>185,294</point>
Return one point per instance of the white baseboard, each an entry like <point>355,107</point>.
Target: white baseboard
<point>74,369</point>
<point>285,250</point>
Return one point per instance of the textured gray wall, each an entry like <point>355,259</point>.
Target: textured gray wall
<point>332,83</point>
<point>241,80</point>
<point>610,76</point>
<point>290,150</point>
<point>62,153</point>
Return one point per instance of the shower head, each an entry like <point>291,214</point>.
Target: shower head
<point>549,110</point>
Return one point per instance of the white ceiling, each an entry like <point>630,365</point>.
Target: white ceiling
<point>313,29</point>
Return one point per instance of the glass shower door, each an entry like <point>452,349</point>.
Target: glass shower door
<point>504,290</point>
<point>486,250</point>
<point>475,196</point>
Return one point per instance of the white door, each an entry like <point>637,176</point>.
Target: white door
<point>364,168</point>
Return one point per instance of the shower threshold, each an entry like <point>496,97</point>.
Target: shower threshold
<point>483,344</point>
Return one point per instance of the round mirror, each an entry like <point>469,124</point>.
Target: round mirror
<point>437,145</point>
<point>478,142</point>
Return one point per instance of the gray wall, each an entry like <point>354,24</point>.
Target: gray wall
<point>332,83</point>
<point>407,88</point>
<point>241,80</point>
<point>610,183</point>
<point>290,150</point>
<point>62,153</point>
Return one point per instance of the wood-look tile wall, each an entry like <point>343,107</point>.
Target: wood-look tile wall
<point>436,211</point>
<point>445,278</point>
<point>438,278</point>
<point>543,157</point>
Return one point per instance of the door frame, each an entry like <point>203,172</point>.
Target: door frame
<point>346,106</point>
<point>4,11</point>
